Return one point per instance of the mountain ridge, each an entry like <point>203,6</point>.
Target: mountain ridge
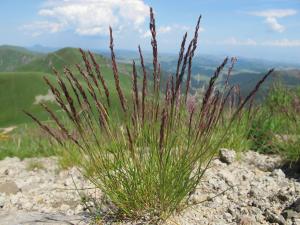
<point>21,75</point>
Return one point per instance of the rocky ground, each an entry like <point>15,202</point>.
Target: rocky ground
<point>250,190</point>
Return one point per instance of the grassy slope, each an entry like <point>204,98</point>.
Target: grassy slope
<point>247,81</point>
<point>63,57</point>
<point>11,57</point>
<point>18,89</point>
<point>17,92</point>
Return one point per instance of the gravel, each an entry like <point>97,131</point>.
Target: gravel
<point>251,190</point>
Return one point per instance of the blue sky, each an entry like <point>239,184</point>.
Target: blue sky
<point>267,29</point>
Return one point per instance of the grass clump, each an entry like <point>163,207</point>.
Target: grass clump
<point>276,127</point>
<point>268,121</point>
<point>148,158</point>
<point>287,138</point>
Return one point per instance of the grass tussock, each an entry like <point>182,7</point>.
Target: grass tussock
<point>276,127</point>
<point>149,158</point>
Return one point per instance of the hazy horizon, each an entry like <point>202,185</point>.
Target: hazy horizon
<point>218,55</point>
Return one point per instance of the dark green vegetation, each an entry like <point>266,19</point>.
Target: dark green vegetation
<point>276,127</point>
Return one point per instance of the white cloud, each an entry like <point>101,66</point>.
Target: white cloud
<point>271,17</point>
<point>274,25</point>
<point>275,13</point>
<point>93,17</point>
<point>235,41</point>
<point>282,43</point>
<point>250,42</point>
<point>170,29</point>
<point>160,30</point>
<point>38,27</point>
<point>164,29</point>
<point>146,34</point>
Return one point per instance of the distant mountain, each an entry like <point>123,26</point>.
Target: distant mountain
<point>202,63</point>
<point>247,72</point>
<point>21,72</point>
<point>247,81</point>
<point>12,56</point>
<point>64,57</point>
<point>42,49</point>
<point>22,85</point>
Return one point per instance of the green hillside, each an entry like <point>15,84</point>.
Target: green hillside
<point>25,90</point>
<point>25,87</point>
<point>17,92</point>
<point>64,57</point>
<point>20,87</point>
<point>12,57</point>
<point>247,81</point>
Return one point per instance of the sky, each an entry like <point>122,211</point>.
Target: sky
<point>268,29</point>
